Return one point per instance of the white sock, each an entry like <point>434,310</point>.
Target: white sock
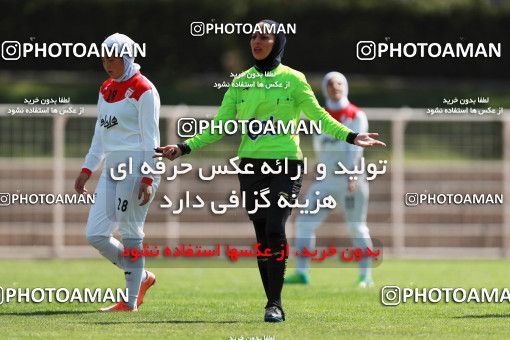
<point>133,272</point>
<point>109,247</point>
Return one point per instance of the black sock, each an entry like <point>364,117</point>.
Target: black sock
<point>260,232</point>
<point>276,272</point>
<point>262,263</point>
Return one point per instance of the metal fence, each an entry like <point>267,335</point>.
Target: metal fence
<point>436,154</point>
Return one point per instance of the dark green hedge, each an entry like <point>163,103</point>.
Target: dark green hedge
<point>327,33</point>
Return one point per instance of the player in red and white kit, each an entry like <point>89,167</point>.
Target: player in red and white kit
<point>351,195</point>
<point>127,128</point>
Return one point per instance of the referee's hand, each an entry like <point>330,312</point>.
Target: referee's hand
<point>79,184</point>
<point>170,152</point>
<point>367,140</point>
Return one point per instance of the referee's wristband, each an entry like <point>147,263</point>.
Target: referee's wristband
<point>351,137</point>
<point>185,149</point>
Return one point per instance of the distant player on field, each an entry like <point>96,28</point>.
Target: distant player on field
<point>127,127</point>
<point>351,195</point>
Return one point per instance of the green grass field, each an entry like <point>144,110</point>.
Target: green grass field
<point>223,303</point>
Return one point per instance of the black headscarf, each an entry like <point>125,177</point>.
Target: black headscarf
<point>275,56</point>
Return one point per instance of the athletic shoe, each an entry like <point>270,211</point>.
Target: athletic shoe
<point>365,282</point>
<point>297,278</point>
<point>274,314</point>
<point>118,307</point>
<point>144,286</point>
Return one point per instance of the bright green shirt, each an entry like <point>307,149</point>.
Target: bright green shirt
<point>276,103</point>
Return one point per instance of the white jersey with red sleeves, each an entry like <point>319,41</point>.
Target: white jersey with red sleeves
<point>128,121</point>
<point>330,150</point>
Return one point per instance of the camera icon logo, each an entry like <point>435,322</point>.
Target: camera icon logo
<point>390,295</point>
<point>186,127</point>
<point>411,199</point>
<point>5,199</point>
<point>366,50</point>
<point>197,28</point>
<point>11,50</point>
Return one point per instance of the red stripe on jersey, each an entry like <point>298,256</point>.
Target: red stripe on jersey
<point>348,112</point>
<point>134,87</point>
<point>87,171</point>
<point>147,180</point>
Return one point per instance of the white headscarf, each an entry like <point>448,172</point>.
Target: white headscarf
<point>130,67</point>
<point>343,102</point>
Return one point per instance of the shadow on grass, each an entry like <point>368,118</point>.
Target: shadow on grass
<point>161,321</point>
<point>69,312</point>
<point>482,316</point>
<point>47,312</point>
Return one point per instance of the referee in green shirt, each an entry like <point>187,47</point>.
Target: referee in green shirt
<point>270,103</point>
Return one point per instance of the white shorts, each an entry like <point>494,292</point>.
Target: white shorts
<point>353,206</point>
<point>117,207</point>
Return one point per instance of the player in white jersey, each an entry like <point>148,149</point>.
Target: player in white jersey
<point>350,195</point>
<point>126,131</point>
